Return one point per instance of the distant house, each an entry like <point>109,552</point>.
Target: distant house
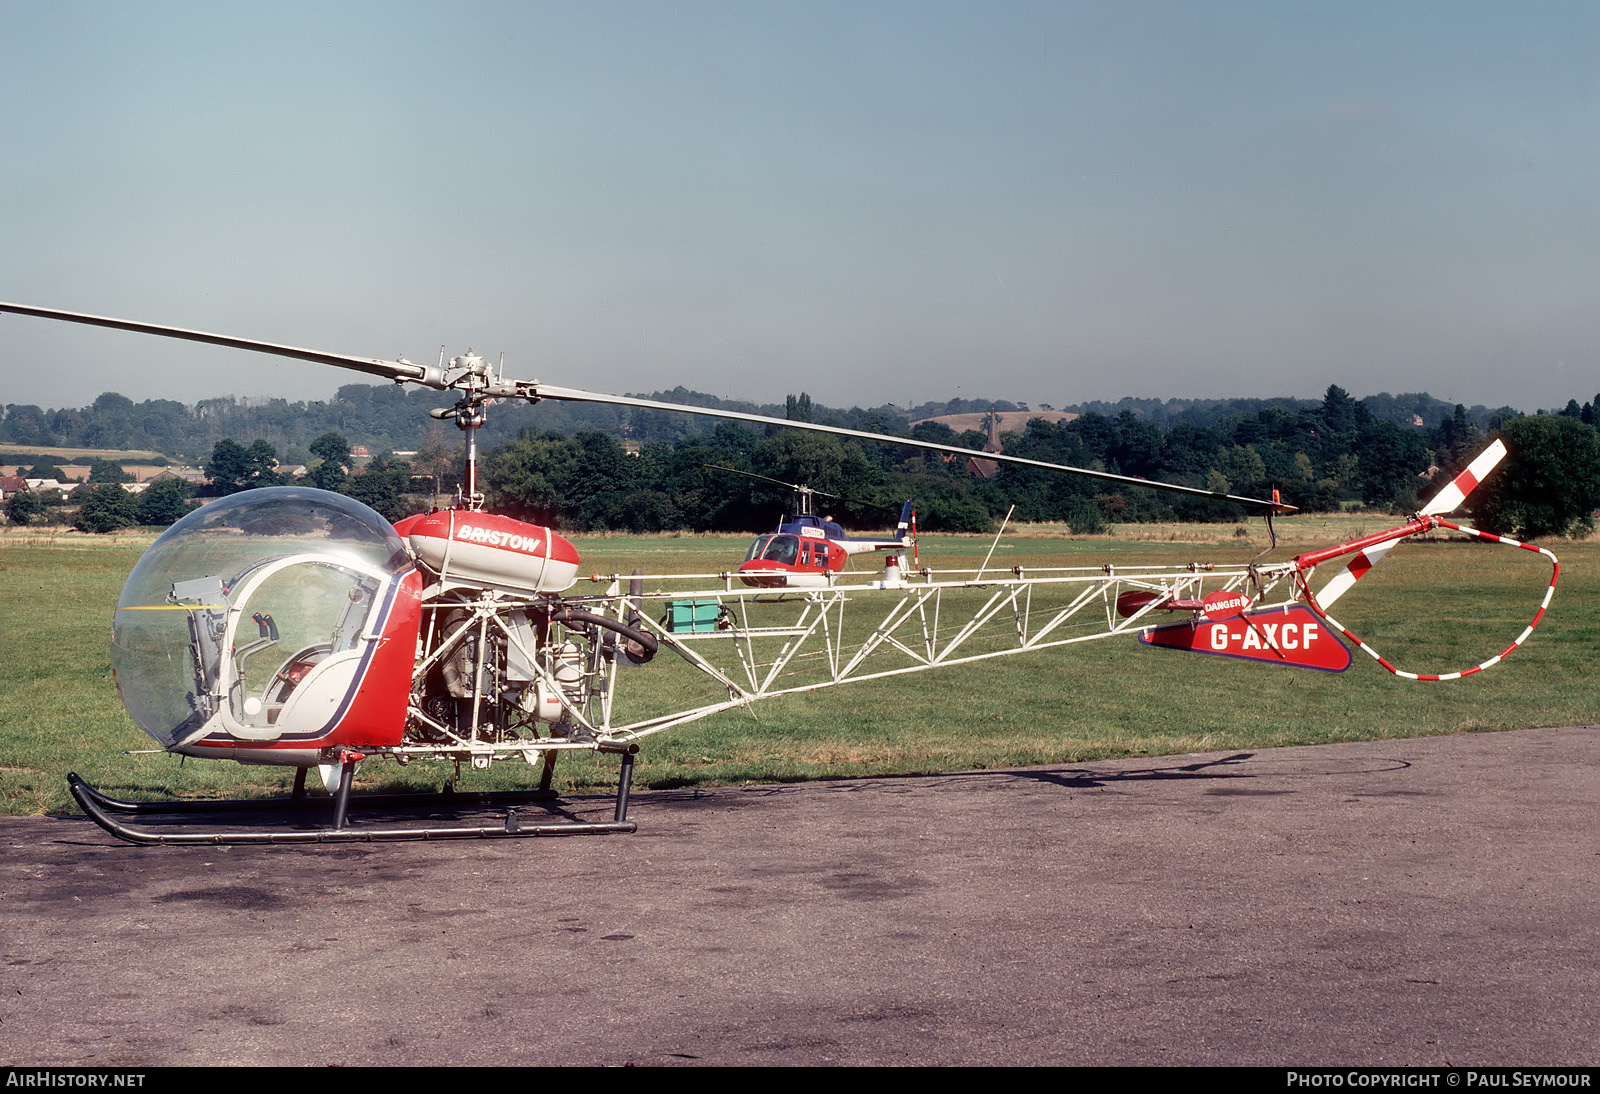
<point>986,469</point>
<point>12,484</point>
<point>146,472</point>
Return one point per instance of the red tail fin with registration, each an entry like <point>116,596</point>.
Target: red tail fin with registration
<point>1278,636</point>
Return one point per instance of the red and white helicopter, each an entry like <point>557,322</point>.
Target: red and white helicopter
<point>296,627</point>
<point>808,551</point>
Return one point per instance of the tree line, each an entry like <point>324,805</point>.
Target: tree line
<point>1318,456</point>
<point>384,417</point>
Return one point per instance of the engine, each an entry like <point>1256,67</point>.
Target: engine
<point>501,659</point>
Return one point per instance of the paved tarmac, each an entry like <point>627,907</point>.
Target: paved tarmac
<point>1420,902</point>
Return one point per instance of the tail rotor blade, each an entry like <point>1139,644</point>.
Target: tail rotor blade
<point>1451,497</point>
<point>1445,501</point>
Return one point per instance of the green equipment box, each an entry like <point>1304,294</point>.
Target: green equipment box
<point>692,616</point>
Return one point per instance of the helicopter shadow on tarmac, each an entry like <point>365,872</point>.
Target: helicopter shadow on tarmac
<point>1224,769</point>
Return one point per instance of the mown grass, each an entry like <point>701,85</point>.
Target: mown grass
<point>1430,607</point>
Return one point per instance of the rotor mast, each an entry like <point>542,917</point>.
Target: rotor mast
<point>468,374</point>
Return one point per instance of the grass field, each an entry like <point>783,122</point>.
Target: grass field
<point>1430,607</point>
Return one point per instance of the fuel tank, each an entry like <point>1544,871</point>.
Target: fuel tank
<point>492,550</point>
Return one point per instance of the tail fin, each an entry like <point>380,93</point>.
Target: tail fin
<point>902,531</point>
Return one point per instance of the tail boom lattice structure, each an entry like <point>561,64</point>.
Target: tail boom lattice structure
<point>935,621</point>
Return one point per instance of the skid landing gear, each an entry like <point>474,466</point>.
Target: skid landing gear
<point>100,808</point>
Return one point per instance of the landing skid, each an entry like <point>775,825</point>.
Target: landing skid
<point>100,808</point>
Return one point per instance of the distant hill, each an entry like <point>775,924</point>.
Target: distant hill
<point>1011,421</point>
<point>68,455</point>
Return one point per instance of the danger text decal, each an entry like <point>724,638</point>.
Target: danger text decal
<point>1221,603</point>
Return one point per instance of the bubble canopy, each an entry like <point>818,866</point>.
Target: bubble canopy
<point>309,563</point>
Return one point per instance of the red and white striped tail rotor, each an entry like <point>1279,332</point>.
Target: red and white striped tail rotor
<point>1369,550</point>
<point>1445,501</point>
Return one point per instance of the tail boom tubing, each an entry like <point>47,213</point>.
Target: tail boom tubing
<point>478,385</point>
<point>1420,523</point>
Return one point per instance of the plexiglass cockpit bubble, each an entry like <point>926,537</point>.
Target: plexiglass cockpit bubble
<point>237,603</point>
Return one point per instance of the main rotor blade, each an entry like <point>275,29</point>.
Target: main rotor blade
<point>532,390</point>
<point>775,482</point>
<point>537,391</point>
<point>397,371</point>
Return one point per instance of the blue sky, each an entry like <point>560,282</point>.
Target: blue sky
<point>869,202</point>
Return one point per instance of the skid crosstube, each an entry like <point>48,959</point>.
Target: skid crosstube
<point>100,809</point>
